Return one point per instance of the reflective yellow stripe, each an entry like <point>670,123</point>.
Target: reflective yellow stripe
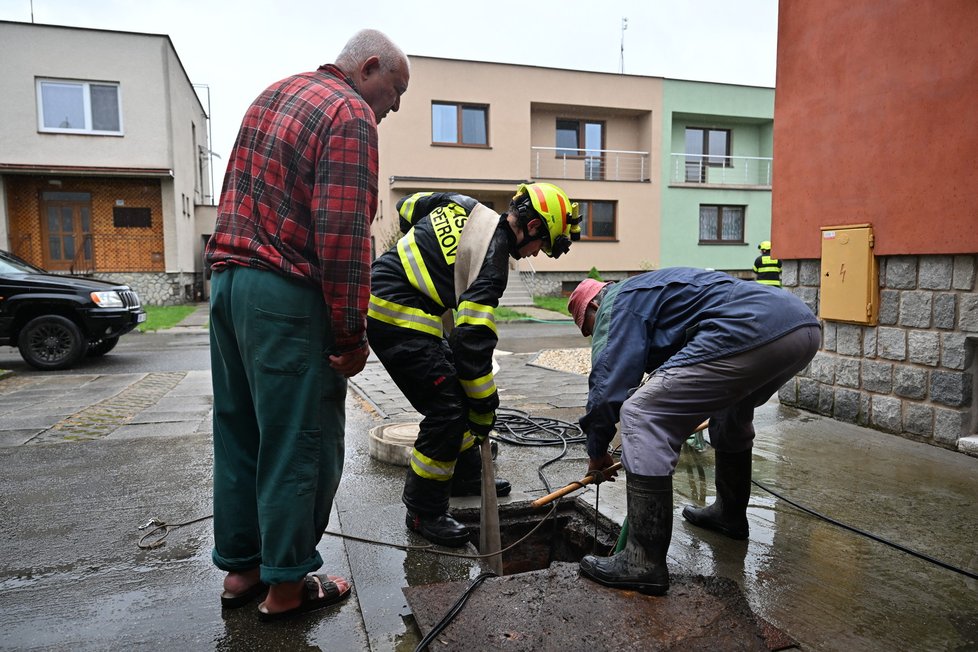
<point>482,418</point>
<point>480,387</point>
<point>407,208</point>
<point>431,468</point>
<point>476,314</point>
<point>403,316</point>
<point>414,267</point>
<point>468,441</point>
<point>774,283</point>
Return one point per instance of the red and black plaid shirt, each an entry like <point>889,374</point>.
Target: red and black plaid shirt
<point>300,193</point>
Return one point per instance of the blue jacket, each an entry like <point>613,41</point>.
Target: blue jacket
<point>676,317</point>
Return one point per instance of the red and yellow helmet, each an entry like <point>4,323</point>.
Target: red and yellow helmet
<point>559,214</point>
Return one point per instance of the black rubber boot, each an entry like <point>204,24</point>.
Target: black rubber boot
<point>441,529</point>
<point>641,566</point>
<point>467,480</point>
<point>728,513</point>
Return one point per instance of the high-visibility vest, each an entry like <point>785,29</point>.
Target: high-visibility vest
<point>768,270</point>
<point>417,281</point>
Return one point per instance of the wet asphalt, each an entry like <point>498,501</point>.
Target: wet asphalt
<point>87,457</point>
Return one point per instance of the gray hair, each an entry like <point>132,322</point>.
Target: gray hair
<point>368,43</point>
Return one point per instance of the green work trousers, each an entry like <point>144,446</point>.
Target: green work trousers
<point>279,423</point>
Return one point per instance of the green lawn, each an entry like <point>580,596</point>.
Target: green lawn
<point>557,304</point>
<point>162,317</point>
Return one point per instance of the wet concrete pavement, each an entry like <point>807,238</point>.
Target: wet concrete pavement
<point>86,458</point>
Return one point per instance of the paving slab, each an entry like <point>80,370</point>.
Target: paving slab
<point>554,609</point>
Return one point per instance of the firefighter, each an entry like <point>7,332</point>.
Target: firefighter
<point>767,270</point>
<point>454,256</point>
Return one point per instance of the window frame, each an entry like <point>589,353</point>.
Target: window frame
<point>720,207</point>
<point>582,124</point>
<point>587,230</point>
<point>86,87</point>
<point>460,108</point>
<point>706,154</point>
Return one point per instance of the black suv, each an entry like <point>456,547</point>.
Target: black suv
<point>55,320</point>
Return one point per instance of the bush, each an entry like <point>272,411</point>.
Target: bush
<point>595,274</point>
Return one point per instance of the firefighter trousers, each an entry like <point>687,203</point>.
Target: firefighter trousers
<point>422,367</point>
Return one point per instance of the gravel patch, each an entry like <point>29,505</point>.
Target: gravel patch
<point>576,361</point>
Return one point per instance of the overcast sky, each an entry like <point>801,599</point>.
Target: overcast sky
<point>238,47</point>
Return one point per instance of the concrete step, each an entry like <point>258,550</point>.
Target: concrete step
<point>516,293</point>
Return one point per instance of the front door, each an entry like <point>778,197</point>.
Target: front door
<point>66,228</point>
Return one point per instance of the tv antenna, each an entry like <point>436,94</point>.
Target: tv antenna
<point>621,59</point>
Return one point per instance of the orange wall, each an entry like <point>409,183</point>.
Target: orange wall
<point>876,120</point>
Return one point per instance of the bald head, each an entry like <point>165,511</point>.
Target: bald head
<point>378,68</point>
<point>370,43</point>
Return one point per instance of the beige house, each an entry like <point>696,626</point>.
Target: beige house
<point>105,165</point>
<point>483,128</point>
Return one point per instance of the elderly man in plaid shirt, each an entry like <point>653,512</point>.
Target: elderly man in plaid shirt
<point>290,257</point>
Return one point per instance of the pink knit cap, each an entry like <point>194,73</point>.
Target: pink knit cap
<point>581,297</point>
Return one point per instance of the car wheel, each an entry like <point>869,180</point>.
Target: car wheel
<point>99,348</point>
<point>51,342</point>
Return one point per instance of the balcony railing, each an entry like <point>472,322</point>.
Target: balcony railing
<point>589,164</point>
<point>707,169</point>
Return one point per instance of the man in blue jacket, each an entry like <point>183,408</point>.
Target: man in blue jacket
<point>716,347</point>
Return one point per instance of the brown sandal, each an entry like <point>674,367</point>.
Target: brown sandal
<point>318,591</point>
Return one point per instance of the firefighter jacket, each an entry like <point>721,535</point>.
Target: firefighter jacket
<point>768,270</point>
<point>413,285</point>
<point>676,317</point>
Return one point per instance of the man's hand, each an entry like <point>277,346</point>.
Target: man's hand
<point>350,363</point>
<point>602,463</point>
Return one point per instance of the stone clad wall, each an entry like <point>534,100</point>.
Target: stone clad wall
<point>912,374</point>
<point>159,289</point>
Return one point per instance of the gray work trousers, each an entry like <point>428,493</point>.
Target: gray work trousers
<point>663,412</point>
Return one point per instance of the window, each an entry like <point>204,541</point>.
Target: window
<point>597,219</point>
<point>79,107</point>
<point>67,229</point>
<point>460,124</point>
<point>124,217</point>
<point>706,148</point>
<point>721,224</point>
<point>582,139</point>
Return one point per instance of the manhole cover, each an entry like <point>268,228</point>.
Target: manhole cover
<point>392,442</point>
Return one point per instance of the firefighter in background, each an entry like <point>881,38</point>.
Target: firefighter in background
<point>767,270</point>
<point>454,255</point>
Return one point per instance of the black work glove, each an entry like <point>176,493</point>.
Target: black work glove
<point>481,423</point>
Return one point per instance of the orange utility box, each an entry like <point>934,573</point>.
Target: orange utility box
<point>850,275</point>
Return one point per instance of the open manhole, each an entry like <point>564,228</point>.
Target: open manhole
<point>566,536</point>
<point>541,593</point>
